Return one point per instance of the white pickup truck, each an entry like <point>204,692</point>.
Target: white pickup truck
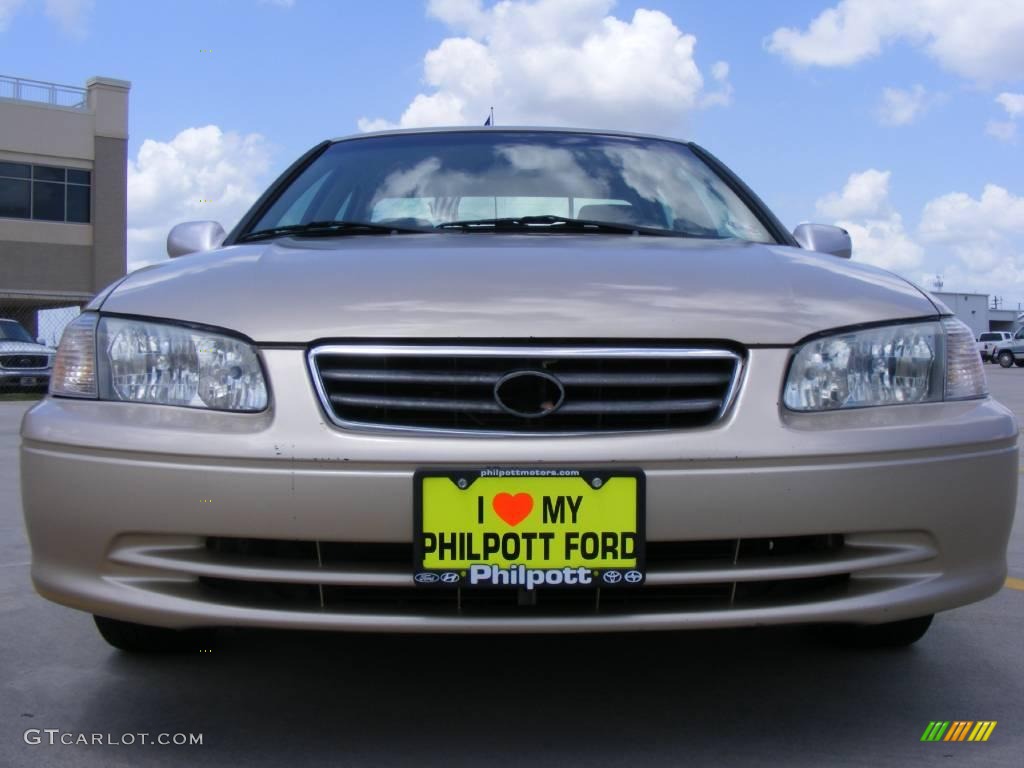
<point>988,341</point>
<point>1008,351</point>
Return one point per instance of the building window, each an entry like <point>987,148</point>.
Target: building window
<point>15,190</point>
<point>44,192</point>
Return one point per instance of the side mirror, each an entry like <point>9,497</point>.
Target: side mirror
<point>40,341</point>
<point>194,237</point>
<point>824,239</point>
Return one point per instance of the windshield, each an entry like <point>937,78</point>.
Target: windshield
<point>12,331</point>
<point>426,180</point>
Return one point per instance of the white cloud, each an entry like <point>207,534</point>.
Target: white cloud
<point>884,243</point>
<point>7,10</point>
<point>902,107</point>
<point>723,96</point>
<point>957,217</point>
<point>975,243</point>
<point>862,208</point>
<point>983,234</point>
<point>978,39</point>
<point>1013,103</point>
<point>1005,278</point>
<point>865,194</point>
<point>1004,130</point>
<point>70,15</point>
<point>559,62</point>
<point>202,173</point>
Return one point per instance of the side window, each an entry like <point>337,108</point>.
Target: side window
<point>1020,334</point>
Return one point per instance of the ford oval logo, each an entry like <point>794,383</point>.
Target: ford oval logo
<point>529,394</point>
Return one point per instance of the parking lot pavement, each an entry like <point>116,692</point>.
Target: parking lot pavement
<point>723,698</point>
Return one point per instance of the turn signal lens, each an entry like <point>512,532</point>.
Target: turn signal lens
<point>74,368</point>
<point>965,376</point>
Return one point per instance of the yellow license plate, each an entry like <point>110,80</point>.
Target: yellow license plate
<point>529,528</point>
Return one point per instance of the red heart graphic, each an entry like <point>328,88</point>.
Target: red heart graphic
<point>513,509</point>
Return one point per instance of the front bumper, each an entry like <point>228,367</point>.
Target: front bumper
<point>121,502</point>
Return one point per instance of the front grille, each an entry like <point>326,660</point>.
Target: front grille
<point>681,576</point>
<point>523,389</point>
<point>23,361</point>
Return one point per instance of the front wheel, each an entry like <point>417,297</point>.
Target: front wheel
<point>142,638</point>
<point>1006,358</point>
<point>894,634</point>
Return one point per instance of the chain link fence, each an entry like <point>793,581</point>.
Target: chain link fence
<point>43,325</point>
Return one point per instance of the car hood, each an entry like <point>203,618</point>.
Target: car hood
<point>491,286</point>
<point>8,347</point>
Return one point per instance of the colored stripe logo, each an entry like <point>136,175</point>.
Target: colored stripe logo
<point>958,730</point>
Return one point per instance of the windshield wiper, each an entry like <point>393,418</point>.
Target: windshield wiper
<point>557,223</point>
<point>315,228</point>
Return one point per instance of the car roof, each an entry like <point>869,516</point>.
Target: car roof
<point>506,129</point>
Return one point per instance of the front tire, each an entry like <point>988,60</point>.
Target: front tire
<point>894,634</point>
<point>142,638</point>
<point>1006,358</point>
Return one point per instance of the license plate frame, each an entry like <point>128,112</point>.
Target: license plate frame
<point>612,510</point>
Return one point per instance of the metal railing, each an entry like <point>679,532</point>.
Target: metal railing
<point>20,89</point>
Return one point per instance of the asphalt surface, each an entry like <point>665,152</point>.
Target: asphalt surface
<point>721,698</point>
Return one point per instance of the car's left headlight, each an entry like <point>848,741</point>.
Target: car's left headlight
<point>115,358</point>
<point>908,363</point>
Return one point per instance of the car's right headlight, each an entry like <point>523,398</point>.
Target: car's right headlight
<point>134,360</point>
<point>907,363</point>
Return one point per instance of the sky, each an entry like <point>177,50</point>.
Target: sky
<point>900,120</point>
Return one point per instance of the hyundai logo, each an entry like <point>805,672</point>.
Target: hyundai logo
<point>529,394</point>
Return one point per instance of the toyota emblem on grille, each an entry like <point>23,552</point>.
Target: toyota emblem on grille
<point>529,394</point>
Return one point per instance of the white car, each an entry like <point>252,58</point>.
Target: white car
<point>24,363</point>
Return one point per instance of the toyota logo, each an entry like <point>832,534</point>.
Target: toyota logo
<point>529,394</point>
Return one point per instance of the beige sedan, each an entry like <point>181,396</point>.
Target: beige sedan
<point>515,380</point>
